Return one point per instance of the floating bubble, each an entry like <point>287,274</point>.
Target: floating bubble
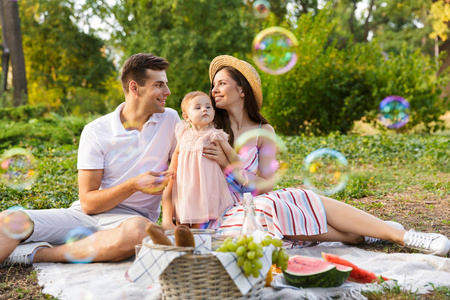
<point>18,168</point>
<point>273,152</point>
<point>326,171</point>
<point>274,50</point>
<point>76,254</point>
<point>122,154</point>
<point>132,125</point>
<point>261,8</point>
<point>16,224</point>
<point>394,112</point>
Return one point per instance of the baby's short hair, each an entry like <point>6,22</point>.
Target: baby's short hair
<point>188,97</point>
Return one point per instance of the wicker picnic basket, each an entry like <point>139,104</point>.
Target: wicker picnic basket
<point>200,276</point>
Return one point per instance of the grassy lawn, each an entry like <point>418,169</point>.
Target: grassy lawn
<point>402,177</point>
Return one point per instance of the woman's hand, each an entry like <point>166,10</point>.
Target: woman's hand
<point>215,152</point>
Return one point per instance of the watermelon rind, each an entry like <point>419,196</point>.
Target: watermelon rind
<point>327,274</point>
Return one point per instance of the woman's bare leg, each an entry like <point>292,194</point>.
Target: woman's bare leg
<point>332,235</point>
<point>349,224</point>
<point>348,219</point>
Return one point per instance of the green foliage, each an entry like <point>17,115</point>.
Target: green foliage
<point>56,186</point>
<point>412,160</point>
<point>81,101</point>
<point>48,131</point>
<point>59,56</point>
<point>22,113</point>
<point>330,88</point>
<point>412,76</point>
<point>188,33</point>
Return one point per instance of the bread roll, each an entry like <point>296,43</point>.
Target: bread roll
<point>184,237</point>
<point>157,234</point>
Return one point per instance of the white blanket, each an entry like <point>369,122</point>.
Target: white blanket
<point>413,272</point>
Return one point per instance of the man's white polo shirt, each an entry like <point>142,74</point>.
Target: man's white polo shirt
<point>122,154</point>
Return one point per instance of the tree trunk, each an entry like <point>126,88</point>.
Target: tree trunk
<point>445,46</point>
<point>5,53</point>
<point>366,22</point>
<point>14,38</point>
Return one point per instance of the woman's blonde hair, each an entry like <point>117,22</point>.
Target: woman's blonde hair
<point>188,97</point>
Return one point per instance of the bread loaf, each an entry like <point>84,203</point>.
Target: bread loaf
<point>156,233</point>
<point>184,237</point>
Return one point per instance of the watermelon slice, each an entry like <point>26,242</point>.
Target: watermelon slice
<point>311,272</point>
<point>357,275</point>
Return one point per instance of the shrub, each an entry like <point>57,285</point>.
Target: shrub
<point>22,113</point>
<point>330,88</point>
<point>47,131</point>
<point>82,101</point>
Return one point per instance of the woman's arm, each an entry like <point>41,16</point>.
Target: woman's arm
<point>265,178</point>
<point>267,156</point>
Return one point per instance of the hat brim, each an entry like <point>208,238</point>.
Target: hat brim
<point>244,67</point>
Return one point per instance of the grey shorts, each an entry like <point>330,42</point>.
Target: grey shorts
<point>52,225</point>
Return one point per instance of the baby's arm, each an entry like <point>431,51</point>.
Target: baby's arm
<point>172,170</point>
<point>167,208</point>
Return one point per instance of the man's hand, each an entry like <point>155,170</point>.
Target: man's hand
<point>152,183</point>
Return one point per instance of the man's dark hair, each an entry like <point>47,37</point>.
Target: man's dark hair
<point>135,68</point>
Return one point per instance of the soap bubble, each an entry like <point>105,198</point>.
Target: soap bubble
<point>76,254</point>
<point>326,171</point>
<point>18,168</point>
<point>16,224</point>
<point>131,125</point>
<point>274,50</point>
<point>273,150</point>
<point>261,8</point>
<point>394,112</point>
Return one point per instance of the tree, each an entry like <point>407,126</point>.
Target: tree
<point>14,42</point>
<point>188,33</point>
<point>5,52</point>
<point>60,56</point>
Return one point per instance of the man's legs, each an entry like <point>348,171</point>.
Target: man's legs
<point>7,244</point>
<point>110,245</point>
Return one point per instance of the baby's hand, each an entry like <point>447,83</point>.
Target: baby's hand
<point>170,173</point>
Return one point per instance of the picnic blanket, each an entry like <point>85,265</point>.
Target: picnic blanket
<point>413,272</point>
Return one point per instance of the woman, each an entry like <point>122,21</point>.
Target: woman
<point>292,214</point>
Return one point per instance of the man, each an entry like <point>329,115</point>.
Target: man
<point>121,160</point>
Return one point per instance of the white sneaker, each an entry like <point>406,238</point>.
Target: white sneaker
<point>371,240</point>
<point>21,254</point>
<point>432,243</point>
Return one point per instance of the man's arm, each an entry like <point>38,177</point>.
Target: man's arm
<point>94,201</point>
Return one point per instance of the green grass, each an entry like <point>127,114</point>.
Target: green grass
<point>378,164</point>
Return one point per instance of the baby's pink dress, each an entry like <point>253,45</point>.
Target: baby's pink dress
<point>200,191</point>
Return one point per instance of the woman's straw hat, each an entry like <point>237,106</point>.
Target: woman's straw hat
<point>244,67</point>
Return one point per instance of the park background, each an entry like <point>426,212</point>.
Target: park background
<point>65,59</point>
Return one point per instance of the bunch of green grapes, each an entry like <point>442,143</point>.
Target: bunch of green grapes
<point>250,252</point>
<point>279,256</point>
